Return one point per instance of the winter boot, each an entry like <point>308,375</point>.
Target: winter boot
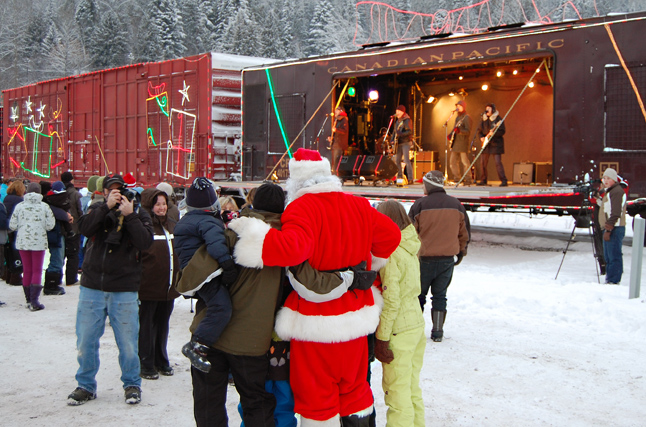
<point>196,353</point>
<point>15,279</point>
<point>34,293</point>
<point>52,284</point>
<point>27,290</point>
<point>437,332</point>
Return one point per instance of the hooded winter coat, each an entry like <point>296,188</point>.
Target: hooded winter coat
<point>31,219</point>
<point>400,279</point>
<point>159,275</point>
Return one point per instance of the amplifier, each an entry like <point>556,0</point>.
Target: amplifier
<point>523,173</point>
<point>543,173</point>
<point>424,167</point>
<point>428,156</point>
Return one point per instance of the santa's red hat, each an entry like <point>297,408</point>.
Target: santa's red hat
<point>307,164</point>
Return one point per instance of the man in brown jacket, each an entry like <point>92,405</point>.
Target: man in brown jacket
<point>444,230</point>
<point>612,219</point>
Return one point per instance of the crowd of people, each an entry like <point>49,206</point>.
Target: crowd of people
<point>296,292</point>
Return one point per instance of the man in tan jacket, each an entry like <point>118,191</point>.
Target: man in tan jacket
<point>444,230</point>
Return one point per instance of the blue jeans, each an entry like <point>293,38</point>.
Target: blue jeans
<point>436,275</point>
<point>403,152</point>
<point>57,258</point>
<point>612,254</point>
<point>284,412</point>
<point>123,310</point>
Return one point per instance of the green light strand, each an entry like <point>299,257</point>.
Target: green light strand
<point>162,104</point>
<point>152,137</point>
<point>280,123</point>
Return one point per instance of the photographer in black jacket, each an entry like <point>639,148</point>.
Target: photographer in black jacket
<point>116,234</point>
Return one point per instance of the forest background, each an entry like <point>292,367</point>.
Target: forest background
<point>48,39</point>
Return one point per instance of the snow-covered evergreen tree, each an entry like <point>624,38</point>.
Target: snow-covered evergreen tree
<point>241,33</point>
<point>164,33</point>
<point>321,40</point>
<point>109,42</point>
<point>197,27</point>
<point>86,17</point>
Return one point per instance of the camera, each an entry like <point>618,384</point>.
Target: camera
<point>128,193</point>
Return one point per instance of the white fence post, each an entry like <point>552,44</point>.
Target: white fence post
<point>636,263</point>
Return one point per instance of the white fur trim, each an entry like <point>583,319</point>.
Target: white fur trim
<point>335,421</point>
<point>251,236</point>
<point>346,276</point>
<point>305,169</point>
<point>365,412</point>
<point>212,276</point>
<point>330,329</point>
<point>320,184</point>
<point>378,263</point>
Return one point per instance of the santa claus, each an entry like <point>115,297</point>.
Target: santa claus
<point>327,327</point>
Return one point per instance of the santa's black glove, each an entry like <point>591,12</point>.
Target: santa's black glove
<point>459,260</point>
<point>229,272</point>
<point>363,279</point>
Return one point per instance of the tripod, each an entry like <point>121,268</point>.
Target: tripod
<point>584,219</point>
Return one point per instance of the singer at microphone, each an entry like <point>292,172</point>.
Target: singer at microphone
<point>402,139</point>
<point>459,144</point>
<point>339,138</point>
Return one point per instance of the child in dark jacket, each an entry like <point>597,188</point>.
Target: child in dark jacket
<point>202,225</point>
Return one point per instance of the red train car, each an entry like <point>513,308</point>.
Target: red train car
<point>165,121</point>
<point>571,93</point>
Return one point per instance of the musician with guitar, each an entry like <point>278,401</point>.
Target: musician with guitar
<point>491,131</point>
<point>402,139</point>
<point>459,143</point>
<point>339,139</point>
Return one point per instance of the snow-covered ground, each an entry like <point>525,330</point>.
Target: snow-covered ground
<point>520,348</point>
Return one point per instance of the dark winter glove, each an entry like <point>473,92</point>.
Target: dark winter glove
<point>382,352</point>
<point>363,279</point>
<point>459,260</point>
<point>229,272</point>
<point>606,235</point>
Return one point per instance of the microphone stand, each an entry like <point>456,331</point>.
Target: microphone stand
<point>318,135</point>
<point>446,144</point>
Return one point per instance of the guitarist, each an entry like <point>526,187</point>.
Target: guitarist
<point>402,139</point>
<point>495,145</point>
<point>339,139</point>
<point>459,143</point>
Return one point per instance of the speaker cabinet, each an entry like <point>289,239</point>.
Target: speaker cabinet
<point>370,167</point>
<point>543,173</point>
<point>523,173</point>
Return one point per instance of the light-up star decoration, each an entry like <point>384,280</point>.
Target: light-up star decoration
<point>14,114</point>
<point>28,104</point>
<point>41,110</point>
<point>184,93</point>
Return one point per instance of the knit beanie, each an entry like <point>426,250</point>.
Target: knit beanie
<point>166,188</point>
<point>401,108</point>
<point>91,183</point>
<point>611,173</point>
<point>67,177</point>
<point>58,187</point>
<point>201,195</point>
<point>33,187</point>
<point>433,179</point>
<point>270,198</point>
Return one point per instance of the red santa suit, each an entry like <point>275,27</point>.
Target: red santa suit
<point>332,230</point>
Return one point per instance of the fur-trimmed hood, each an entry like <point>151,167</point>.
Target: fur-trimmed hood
<point>493,117</point>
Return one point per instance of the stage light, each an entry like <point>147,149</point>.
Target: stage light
<point>373,96</point>
<point>431,99</point>
<point>452,93</point>
<point>461,78</point>
<point>463,92</point>
<point>515,72</point>
<point>485,86</point>
<point>499,74</point>
<point>531,84</point>
<point>352,91</point>
<point>538,70</point>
